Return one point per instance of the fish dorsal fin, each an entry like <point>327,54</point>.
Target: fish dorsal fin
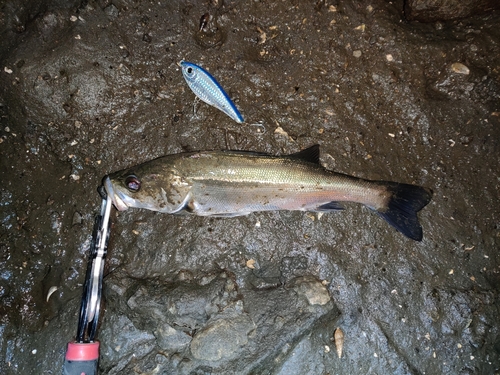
<point>310,154</point>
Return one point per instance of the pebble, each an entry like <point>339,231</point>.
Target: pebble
<point>77,218</point>
<point>313,290</point>
<point>7,70</point>
<point>357,53</point>
<point>460,68</point>
<point>389,57</point>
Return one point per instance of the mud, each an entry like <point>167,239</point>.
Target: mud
<point>94,87</point>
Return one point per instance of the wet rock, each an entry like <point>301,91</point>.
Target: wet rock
<point>443,10</point>
<point>233,335</point>
<point>170,339</point>
<point>123,343</point>
<point>458,81</point>
<point>185,306</point>
<point>112,12</point>
<point>222,339</point>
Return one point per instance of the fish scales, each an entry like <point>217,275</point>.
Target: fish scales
<point>221,183</point>
<point>239,183</point>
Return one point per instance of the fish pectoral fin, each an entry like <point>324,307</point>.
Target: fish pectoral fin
<point>331,206</point>
<point>182,213</point>
<point>310,154</point>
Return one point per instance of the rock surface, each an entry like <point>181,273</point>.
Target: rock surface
<point>445,10</point>
<point>88,88</point>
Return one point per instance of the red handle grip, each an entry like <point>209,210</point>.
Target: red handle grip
<point>81,359</point>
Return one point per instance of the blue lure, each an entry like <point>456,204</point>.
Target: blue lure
<point>205,87</point>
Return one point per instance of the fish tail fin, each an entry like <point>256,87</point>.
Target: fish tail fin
<point>401,211</point>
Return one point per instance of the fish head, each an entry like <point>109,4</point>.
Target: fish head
<point>189,71</point>
<point>158,190</point>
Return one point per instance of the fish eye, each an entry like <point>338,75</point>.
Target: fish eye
<point>132,183</point>
<point>189,70</point>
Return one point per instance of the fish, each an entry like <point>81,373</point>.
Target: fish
<point>235,183</point>
<point>206,87</point>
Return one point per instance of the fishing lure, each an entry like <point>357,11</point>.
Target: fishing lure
<point>205,87</point>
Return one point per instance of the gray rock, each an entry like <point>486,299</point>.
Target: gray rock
<point>170,339</point>
<point>443,10</point>
<point>222,339</point>
<point>123,343</point>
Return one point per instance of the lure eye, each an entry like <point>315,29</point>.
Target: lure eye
<point>132,183</point>
<point>189,70</point>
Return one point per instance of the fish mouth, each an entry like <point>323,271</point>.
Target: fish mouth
<point>117,197</point>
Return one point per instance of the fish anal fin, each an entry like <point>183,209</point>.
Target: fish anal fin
<point>310,154</point>
<point>331,206</point>
<point>229,214</point>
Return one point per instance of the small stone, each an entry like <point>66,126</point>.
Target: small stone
<point>251,263</point>
<point>73,18</point>
<point>357,53</point>
<point>389,57</point>
<point>460,68</point>
<point>7,70</point>
<point>77,218</point>
<point>279,130</point>
<point>313,290</point>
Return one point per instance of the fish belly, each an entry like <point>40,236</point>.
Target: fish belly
<point>233,199</point>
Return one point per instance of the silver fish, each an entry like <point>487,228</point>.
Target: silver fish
<point>206,87</point>
<point>233,183</point>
